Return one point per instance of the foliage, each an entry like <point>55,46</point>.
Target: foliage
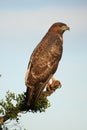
<point>12,127</point>
<point>14,104</point>
<point>42,105</point>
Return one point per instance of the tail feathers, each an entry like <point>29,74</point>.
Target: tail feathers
<point>29,95</point>
<point>37,94</point>
<point>38,91</point>
<point>34,92</point>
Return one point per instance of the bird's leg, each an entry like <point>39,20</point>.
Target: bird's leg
<point>39,91</point>
<point>53,85</point>
<point>53,79</point>
<point>56,83</point>
<point>48,86</point>
<point>29,95</point>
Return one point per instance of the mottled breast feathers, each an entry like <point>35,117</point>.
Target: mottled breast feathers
<point>45,58</point>
<point>44,62</point>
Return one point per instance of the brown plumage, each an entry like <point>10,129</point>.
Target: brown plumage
<point>44,62</point>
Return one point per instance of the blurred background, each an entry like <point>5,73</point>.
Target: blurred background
<point>23,24</point>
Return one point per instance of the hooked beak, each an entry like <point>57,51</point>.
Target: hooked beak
<point>68,28</point>
<point>64,28</point>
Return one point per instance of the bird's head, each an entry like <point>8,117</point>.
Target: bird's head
<point>59,27</point>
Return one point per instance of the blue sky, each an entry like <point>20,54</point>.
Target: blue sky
<point>40,3</point>
<point>22,26</point>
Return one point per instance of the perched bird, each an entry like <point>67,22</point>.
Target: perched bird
<point>44,62</point>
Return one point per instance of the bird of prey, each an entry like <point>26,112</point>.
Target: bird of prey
<point>44,62</point>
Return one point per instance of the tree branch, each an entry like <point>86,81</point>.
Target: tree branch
<point>10,111</point>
